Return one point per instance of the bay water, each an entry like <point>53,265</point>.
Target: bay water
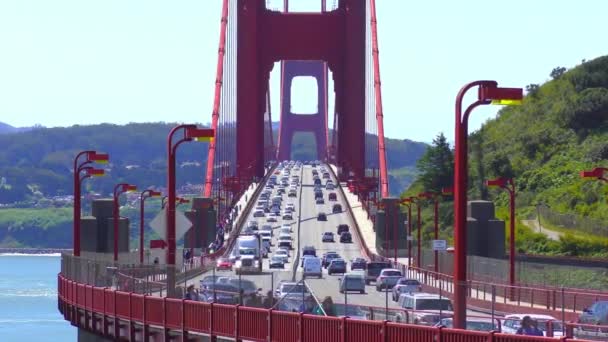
<point>28,299</point>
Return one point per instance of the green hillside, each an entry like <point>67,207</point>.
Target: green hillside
<point>560,129</point>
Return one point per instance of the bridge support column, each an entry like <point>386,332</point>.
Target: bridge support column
<point>293,122</point>
<point>86,336</point>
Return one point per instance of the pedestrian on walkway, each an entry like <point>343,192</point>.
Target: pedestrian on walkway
<point>527,327</point>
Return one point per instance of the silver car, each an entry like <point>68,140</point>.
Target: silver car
<point>388,278</point>
<point>405,285</point>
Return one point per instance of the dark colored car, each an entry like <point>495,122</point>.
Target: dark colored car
<point>277,262</point>
<point>328,257</point>
<point>318,181</point>
<point>320,200</point>
<point>596,314</point>
<point>318,194</point>
<point>342,228</point>
<point>373,270</point>
<point>328,237</point>
<point>321,217</point>
<point>358,264</point>
<point>336,266</point>
<point>332,196</point>
<point>220,293</point>
<point>309,250</point>
<point>346,237</point>
<point>337,208</point>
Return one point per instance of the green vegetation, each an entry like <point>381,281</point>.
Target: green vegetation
<point>559,130</point>
<point>36,227</point>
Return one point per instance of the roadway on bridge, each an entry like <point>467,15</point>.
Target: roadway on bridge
<point>307,231</point>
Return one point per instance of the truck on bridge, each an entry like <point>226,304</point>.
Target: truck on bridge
<point>247,254</point>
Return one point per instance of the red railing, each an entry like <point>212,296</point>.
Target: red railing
<point>254,324</point>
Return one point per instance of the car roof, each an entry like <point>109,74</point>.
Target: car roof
<point>533,316</point>
<point>424,295</point>
<point>391,269</point>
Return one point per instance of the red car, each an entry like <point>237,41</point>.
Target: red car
<point>224,264</point>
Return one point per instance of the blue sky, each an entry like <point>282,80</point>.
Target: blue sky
<point>66,62</point>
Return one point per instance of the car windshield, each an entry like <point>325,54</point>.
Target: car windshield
<point>409,282</point>
<point>433,304</point>
<point>338,262</point>
<point>375,267</point>
<point>354,280</point>
<point>329,234</point>
<point>247,251</point>
<point>285,238</point>
<point>222,287</point>
<point>392,273</point>
<point>277,259</point>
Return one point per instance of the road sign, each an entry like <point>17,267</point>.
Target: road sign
<point>440,245</point>
<point>410,238</point>
<point>159,224</point>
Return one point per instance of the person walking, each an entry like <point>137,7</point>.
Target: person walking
<point>527,327</point>
<point>191,293</point>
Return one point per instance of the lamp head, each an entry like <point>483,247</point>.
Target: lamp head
<point>129,188</point>
<point>95,172</point>
<point>448,190</point>
<point>499,182</point>
<point>597,173</point>
<point>101,158</point>
<point>155,193</point>
<point>200,134</point>
<point>500,95</point>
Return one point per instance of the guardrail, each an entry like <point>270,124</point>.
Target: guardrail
<point>122,315</point>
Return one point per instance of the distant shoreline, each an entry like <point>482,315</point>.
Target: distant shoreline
<point>33,250</point>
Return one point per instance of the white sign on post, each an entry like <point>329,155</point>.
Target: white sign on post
<point>410,238</point>
<point>440,245</point>
<point>159,224</point>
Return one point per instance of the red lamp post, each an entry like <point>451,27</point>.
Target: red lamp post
<point>79,166</point>
<point>414,200</point>
<point>144,194</point>
<point>407,202</point>
<point>435,197</point>
<point>190,133</point>
<point>597,173</point>
<point>488,92</point>
<point>118,190</point>
<point>509,185</point>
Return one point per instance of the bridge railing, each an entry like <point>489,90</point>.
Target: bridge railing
<point>97,308</point>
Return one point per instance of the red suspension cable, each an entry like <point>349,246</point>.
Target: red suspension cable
<point>216,100</point>
<point>379,115</point>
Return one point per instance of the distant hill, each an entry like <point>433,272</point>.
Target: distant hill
<point>39,161</point>
<point>6,128</point>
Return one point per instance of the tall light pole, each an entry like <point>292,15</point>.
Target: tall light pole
<point>189,133</point>
<point>406,201</point>
<point>118,190</point>
<point>144,194</point>
<point>79,165</point>
<point>488,92</point>
<point>435,197</point>
<point>416,201</point>
<point>509,185</point>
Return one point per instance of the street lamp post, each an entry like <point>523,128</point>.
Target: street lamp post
<point>416,201</point>
<point>119,189</point>
<point>144,194</point>
<point>435,197</point>
<point>79,166</point>
<point>488,92</point>
<point>509,185</point>
<point>406,201</point>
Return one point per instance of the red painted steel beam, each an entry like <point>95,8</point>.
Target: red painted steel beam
<point>379,114</point>
<point>219,75</point>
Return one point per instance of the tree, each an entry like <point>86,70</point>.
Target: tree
<point>436,166</point>
<point>532,89</point>
<point>557,72</point>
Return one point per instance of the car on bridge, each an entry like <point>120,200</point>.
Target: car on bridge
<point>287,287</point>
<point>596,314</point>
<point>354,281</point>
<point>346,237</point>
<point>373,270</point>
<point>405,285</point>
<point>473,323</point>
<point>220,293</point>
<point>332,196</point>
<point>427,308</point>
<point>330,186</point>
<point>321,216</point>
<point>283,254</point>
<point>292,193</point>
<point>286,228</point>
<point>336,208</point>
<point>511,323</point>
<point>318,194</point>
<point>309,250</point>
<point>276,261</point>
<point>388,278</point>
<point>224,264</point>
<point>259,213</point>
<point>328,237</point>
<point>285,241</point>
<point>358,264</point>
<point>312,266</point>
<point>328,257</point>
<point>336,266</point>
<point>325,175</point>
<point>320,200</point>
<point>317,181</point>
<point>287,215</point>
<point>342,228</point>
<point>272,217</point>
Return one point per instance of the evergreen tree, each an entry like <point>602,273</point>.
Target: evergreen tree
<point>437,165</point>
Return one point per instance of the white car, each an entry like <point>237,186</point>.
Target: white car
<point>283,254</point>
<point>511,323</point>
<point>286,228</point>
